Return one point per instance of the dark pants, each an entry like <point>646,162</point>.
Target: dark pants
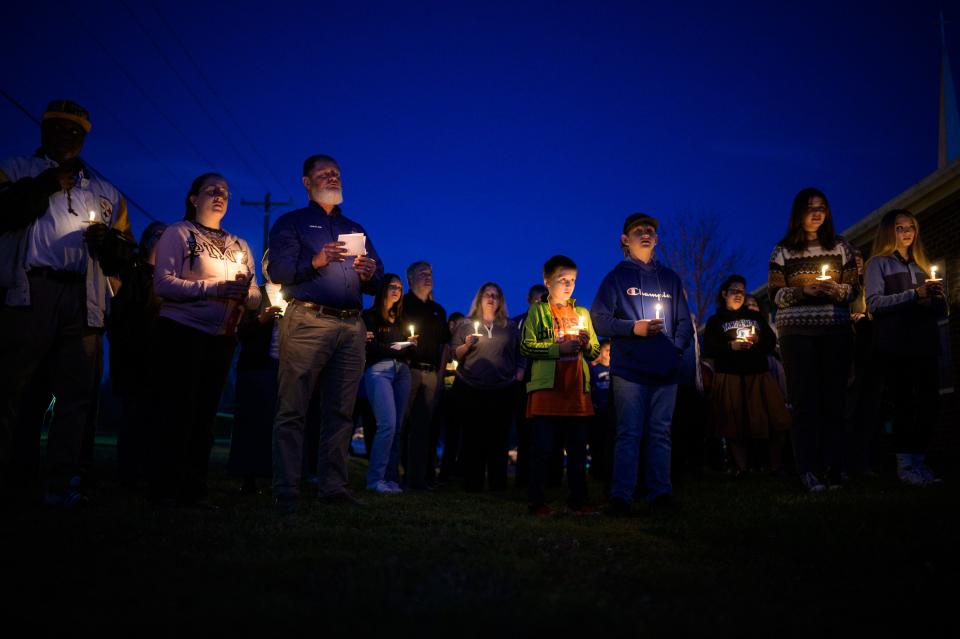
<point>603,432</point>
<point>817,369</point>
<point>486,426</point>
<point>251,443</point>
<point>425,387</point>
<point>913,387</point>
<point>451,416</point>
<point>861,414</point>
<point>567,432</point>
<point>191,370</point>
<point>52,332</point>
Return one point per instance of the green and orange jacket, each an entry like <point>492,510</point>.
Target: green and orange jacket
<point>538,342</point>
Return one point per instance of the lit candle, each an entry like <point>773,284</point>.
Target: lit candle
<point>411,330</point>
<point>93,216</point>
<point>476,328</point>
<point>238,257</point>
<point>933,274</point>
<point>658,308</point>
<point>823,273</point>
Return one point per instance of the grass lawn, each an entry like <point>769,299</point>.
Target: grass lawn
<point>752,556</point>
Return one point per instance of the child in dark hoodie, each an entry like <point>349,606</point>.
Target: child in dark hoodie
<point>642,308</point>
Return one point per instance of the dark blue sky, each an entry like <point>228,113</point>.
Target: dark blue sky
<point>486,137</point>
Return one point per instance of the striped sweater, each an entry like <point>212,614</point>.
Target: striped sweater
<point>790,271</point>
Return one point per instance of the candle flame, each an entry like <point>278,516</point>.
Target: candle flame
<point>476,327</point>
<point>411,330</point>
<point>239,257</point>
<point>823,271</point>
<point>93,216</point>
<point>933,272</point>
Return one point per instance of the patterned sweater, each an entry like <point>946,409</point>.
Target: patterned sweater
<point>790,271</point>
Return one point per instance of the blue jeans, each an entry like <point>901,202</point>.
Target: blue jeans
<point>644,413</point>
<point>388,389</point>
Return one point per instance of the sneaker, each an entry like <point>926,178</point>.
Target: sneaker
<point>619,507</point>
<point>910,476</point>
<point>926,474</point>
<point>811,483</point>
<point>394,487</point>
<point>540,511</point>
<point>382,488</point>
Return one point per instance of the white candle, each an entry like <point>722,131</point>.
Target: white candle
<point>658,308</point>
<point>476,328</point>
<point>933,274</point>
<point>823,273</point>
<point>93,216</point>
<point>238,257</point>
<point>411,330</point>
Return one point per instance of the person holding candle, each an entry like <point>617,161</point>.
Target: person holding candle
<point>559,340</point>
<point>485,344</point>
<point>202,289</point>
<point>323,338</point>
<point>426,374</point>
<point>54,266</point>
<point>747,403</point>
<point>906,305</point>
<point>816,338</point>
<point>387,381</point>
<point>645,361</point>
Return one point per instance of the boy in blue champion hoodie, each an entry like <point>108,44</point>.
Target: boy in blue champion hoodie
<point>642,308</point>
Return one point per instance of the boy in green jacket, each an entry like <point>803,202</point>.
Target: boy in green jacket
<point>558,338</point>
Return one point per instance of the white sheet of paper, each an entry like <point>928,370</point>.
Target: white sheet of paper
<point>356,243</point>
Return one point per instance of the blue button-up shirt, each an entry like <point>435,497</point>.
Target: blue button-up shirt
<point>299,235</point>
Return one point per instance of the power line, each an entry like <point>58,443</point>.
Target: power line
<point>32,117</point>
<point>200,104</point>
<point>215,94</point>
<point>133,82</point>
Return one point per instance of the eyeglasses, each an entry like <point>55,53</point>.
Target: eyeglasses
<point>216,191</point>
<point>327,175</point>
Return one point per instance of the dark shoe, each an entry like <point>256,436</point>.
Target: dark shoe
<point>619,508</point>
<point>342,499</point>
<point>249,487</point>
<point>542,511</point>
<point>665,503</point>
<point>287,505</point>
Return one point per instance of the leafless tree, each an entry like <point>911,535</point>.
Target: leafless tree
<point>698,252</point>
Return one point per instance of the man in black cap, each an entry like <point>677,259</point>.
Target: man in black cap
<point>63,230</point>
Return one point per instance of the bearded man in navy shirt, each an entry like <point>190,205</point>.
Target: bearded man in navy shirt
<point>322,337</point>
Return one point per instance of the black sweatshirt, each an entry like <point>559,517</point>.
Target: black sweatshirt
<point>385,334</point>
<point>721,331</point>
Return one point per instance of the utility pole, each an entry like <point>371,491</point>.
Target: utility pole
<point>267,204</point>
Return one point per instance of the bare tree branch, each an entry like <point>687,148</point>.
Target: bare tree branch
<point>702,258</point>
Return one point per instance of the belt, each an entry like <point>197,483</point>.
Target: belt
<point>420,366</point>
<point>66,277</point>
<point>320,309</point>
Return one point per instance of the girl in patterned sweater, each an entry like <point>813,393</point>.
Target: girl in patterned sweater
<point>812,281</point>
